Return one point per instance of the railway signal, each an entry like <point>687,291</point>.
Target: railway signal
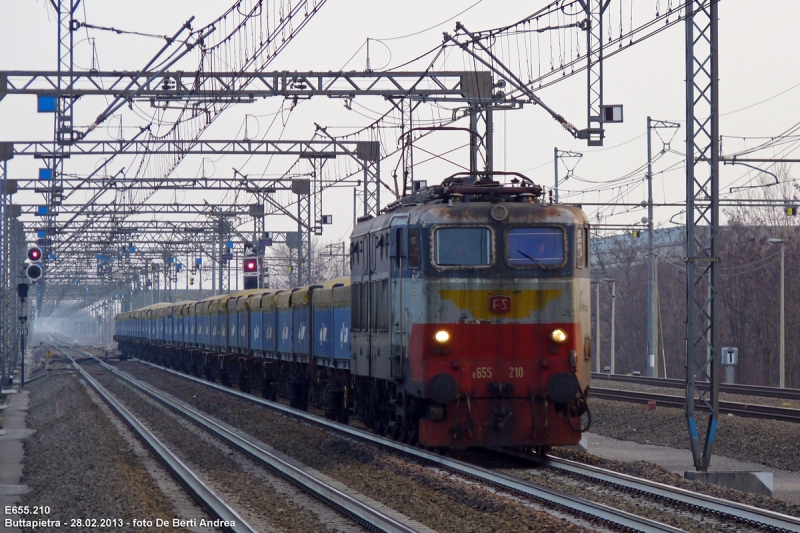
<point>250,267</point>
<point>34,254</point>
<point>34,269</point>
<point>34,272</point>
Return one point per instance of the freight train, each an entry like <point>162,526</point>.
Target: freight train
<point>465,322</point>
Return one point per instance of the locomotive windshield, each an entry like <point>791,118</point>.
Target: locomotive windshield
<point>463,247</point>
<point>532,247</point>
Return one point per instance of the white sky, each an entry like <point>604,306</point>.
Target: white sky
<point>759,91</point>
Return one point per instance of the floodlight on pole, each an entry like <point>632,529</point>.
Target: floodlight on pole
<point>613,283</point>
<point>783,307</point>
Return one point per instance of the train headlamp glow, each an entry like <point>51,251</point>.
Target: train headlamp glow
<point>441,336</point>
<point>558,335</point>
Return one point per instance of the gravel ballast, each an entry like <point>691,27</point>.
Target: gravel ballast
<point>767,442</point>
<point>79,464</point>
<point>671,391</point>
<point>267,503</point>
<point>658,474</point>
<point>437,499</point>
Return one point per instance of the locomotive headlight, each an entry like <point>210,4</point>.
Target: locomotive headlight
<point>441,336</point>
<point>558,335</point>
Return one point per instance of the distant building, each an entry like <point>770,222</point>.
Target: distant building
<point>668,242</point>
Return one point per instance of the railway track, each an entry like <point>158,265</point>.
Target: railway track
<point>739,513</point>
<point>785,414</point>
<point>746,513</point>
<point>744,390</point>
<point>331,494</point>
<point>200,491</point>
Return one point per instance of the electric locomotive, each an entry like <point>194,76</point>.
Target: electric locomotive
<point>470,306</point>
<point>465,322</point>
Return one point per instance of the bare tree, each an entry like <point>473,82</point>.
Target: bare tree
<point>328,261</point>
<point>748,291</point>
<point>751,279</point>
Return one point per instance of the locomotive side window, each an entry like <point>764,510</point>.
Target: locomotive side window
<point>414,249</point>
<point>579,248</point>
<point>374,253</point>
<point>397,249</point>
<point>379,305</point>
<point>463,247</point>
<point>532,247</point>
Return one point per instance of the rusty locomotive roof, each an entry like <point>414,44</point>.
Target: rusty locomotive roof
<point>464,200</point>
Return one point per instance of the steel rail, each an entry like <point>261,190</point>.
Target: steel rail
<point>775,520</point>
<point>567,503</point>
<point>739,511</point>
<point>345,503</point>
<point>749,410</point>
<point>199,490</point>
<point>741,389</point>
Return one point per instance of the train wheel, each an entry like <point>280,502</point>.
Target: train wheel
<point>304,390</point>
<point>244,384</point>
<point>541,451</point>
<point>266,389</point>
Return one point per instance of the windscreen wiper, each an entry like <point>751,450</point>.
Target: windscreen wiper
<point>535,261</point>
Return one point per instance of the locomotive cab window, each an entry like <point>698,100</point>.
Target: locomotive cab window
<point>471,247</point>
<point>535,247</point>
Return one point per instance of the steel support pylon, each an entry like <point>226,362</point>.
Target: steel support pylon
<point>223,231</point>
<point>63,127</point>
<point>304,229</point>
<point>702,227</point>
<point>407,107</point>
<point>7,331</point>
<point>369,153</point>
<point>316,194</point>
<point>594,56</point>
<point>16,253</point>
<point>480,120</point>
<point>257,212</point>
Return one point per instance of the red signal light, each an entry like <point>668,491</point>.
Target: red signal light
<point>251,265</point>
<point>34,253</point>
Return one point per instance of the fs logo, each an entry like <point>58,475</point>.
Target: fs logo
<point>500,304</point>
